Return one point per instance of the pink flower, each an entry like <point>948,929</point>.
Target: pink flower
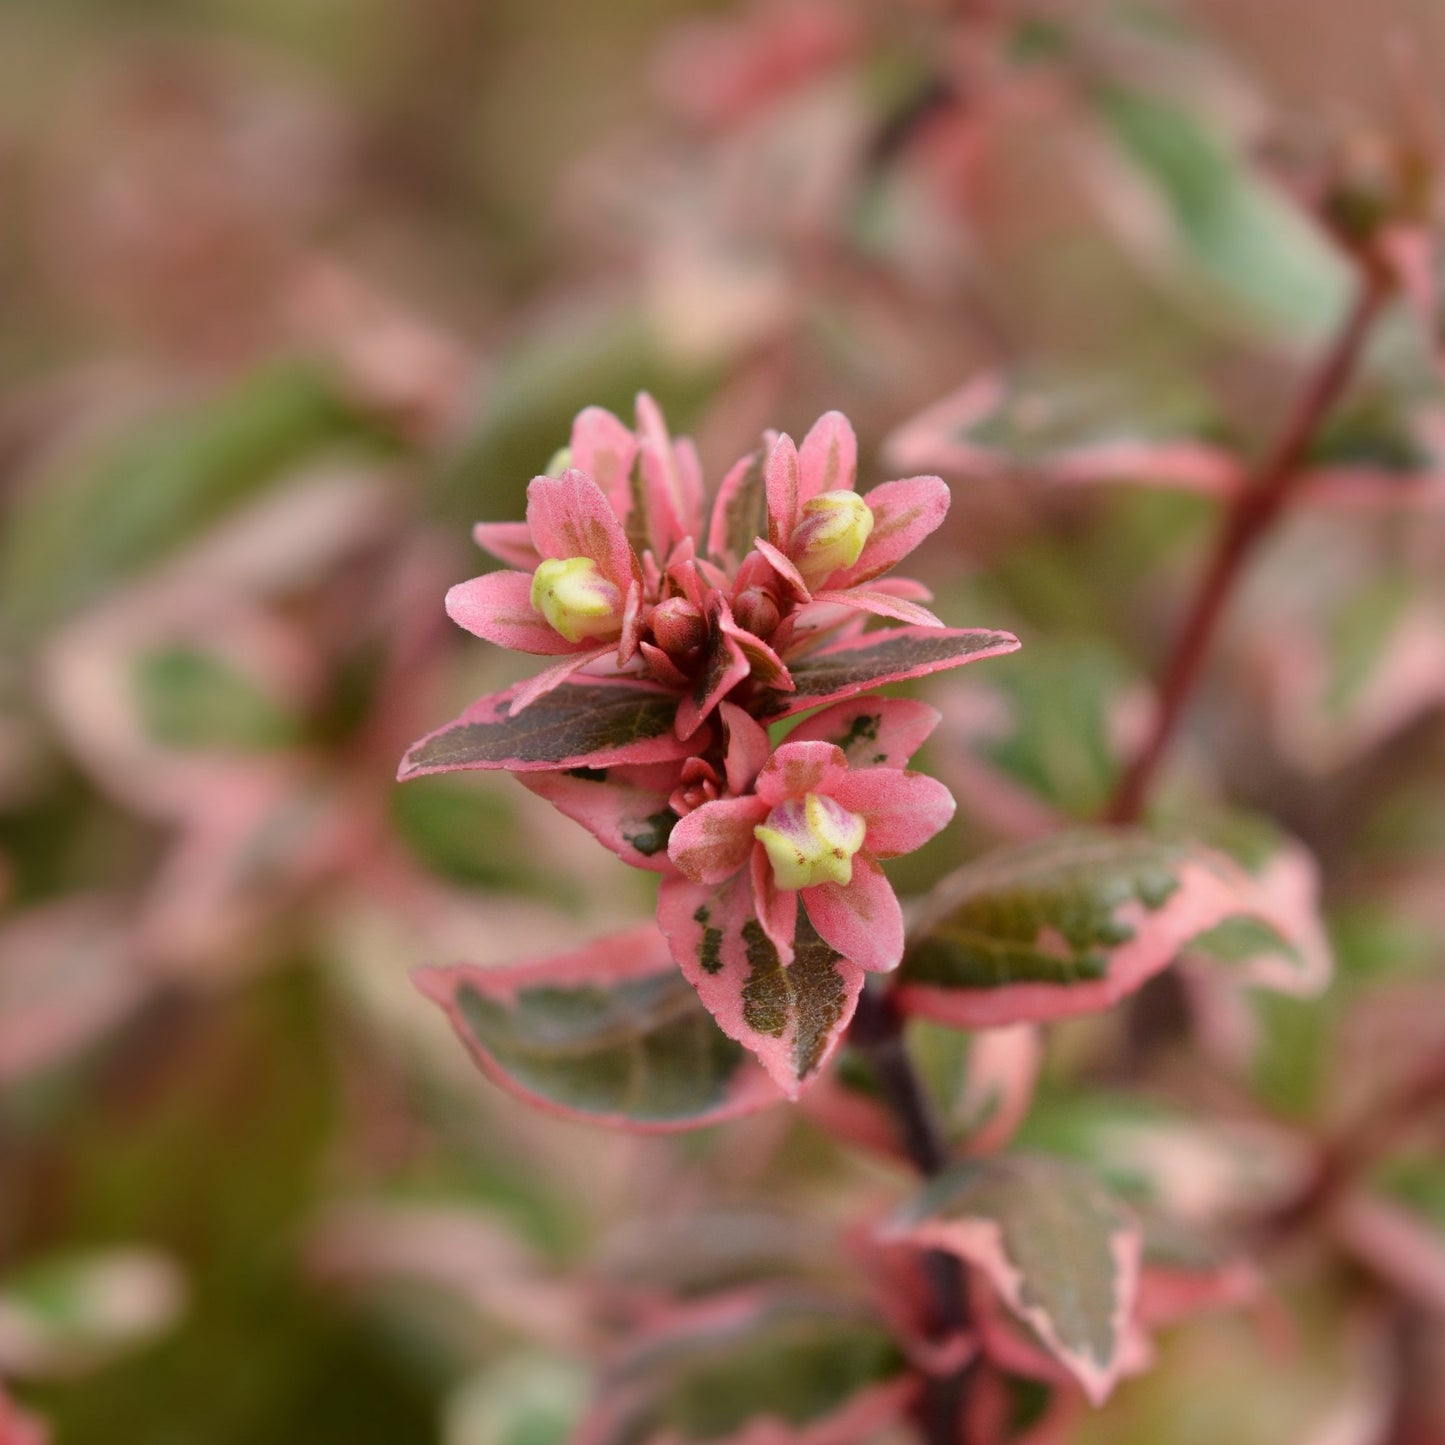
<point>809,833</point>
<point>583,596</point>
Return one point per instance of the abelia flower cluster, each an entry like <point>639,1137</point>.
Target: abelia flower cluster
<point>680,633</point>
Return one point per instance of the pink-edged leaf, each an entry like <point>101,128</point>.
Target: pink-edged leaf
<point>904,513</point>
<point>828,458</point>
<point>1280,944</point>
<point>784,566</point>
<point>570,517</point>
<point>780,477</point>
<point>1070,431</point>
<point>64,1314</point>
<point>1060,1250</point>
<point>593,723</point>
<point>739,512</point>
<point>880,604</point>
<point>794,1367</point>
<point>859,664</point>
<point>902,810</point>
<point>608,1033</point>
<point>873,732</point>
<point>862,919</point>
<point>624,808</point>
<point>551,678</point>
<point>1186,1272</point>
<point>509,542</point>
<point>716,840</point>
<point>791,1016</point>
<point>671,481</point>
<point>1067,925</point>
<point>498,607</point>
<point>605,449</point>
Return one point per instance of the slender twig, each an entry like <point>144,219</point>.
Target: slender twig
<point>1254,511</point>
<point>877,1033</point>
<point>1355,1151</point>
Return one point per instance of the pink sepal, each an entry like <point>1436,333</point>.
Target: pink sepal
<point>861,919</point>
<point>498,607</point>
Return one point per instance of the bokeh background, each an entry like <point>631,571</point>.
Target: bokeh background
<point>295,291</point>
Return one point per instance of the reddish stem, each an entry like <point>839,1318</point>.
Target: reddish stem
<point>1248,520</point>
<point>877,1033</point>
<point>1357,1149</point>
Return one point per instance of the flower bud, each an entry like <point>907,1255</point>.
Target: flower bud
<point>831,534</point>
<point>756,610</point>
<point>811,840</point>
<point>678,625</point>
<point>561,461</point>
<point>574,596</point>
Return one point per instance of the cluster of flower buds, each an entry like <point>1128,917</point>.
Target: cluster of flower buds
<point>681,633</point>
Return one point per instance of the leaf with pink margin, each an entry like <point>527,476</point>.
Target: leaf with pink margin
<point>739,512</point>
<point>624,808</point>
<point>904,513</point>
<point>880,604</point>
<point>780,477</point>
<point>605,449</point>
<point>753,1368</point>
<point>498,607</point>
<point>608,1034</point>
<point>594,723</point>
<point>784,566</point>
<point>859,664</point>
<point>551,678</point>
<point>791,1016</point>
<point>570,517</point>
<point>509,542</point>
<point>1066,925</point>
<point>1281,945</point>
<point>1070,430</point>
<point>1062,1252</point>
<point>873,732</point>
<point>671,481</point>
<point>828,458</point>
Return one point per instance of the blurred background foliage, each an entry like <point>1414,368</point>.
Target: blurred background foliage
<point>297,290</point>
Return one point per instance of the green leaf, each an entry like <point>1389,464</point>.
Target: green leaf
<point>611,1034</point>
<point>518,1400</point>
<point>74,536</point>
<point>79,1311</point>
<point>191,699</point>
<point>1060,1250</point>
<point>1057,742</point>
<point>580,724</point>
<point>879,658</point>
<point>1245,244</point>
<point>704,1372</point>
<point>1075,922</point>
